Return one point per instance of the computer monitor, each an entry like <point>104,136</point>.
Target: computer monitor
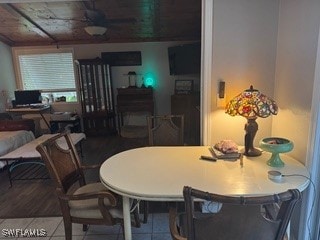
<point>27,97</point>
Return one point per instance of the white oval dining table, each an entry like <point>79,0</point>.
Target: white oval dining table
<point>160,173</point>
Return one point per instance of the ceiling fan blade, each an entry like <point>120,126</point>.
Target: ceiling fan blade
<point>121,20</point>
<point>63,19</point>
<point>95,15</point>
<point>114,27</point>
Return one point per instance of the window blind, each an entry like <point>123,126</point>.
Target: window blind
<point>47,72</point>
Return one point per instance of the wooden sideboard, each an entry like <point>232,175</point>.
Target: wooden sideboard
<point>130,100</point>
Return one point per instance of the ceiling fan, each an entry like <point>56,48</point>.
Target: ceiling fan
<point>97,22</point>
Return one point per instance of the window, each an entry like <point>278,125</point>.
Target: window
<point>51,72</point>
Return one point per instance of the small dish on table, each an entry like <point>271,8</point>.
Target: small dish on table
<point>276,145</point>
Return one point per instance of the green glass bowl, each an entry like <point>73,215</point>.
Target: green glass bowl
<point>276,145</point>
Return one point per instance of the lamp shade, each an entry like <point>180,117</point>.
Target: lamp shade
<point>252,104</point>
<point>95,30</point>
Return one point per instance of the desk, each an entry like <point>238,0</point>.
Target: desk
<point>28,151</point>
<point>31,110</point>
<point>159,174</point>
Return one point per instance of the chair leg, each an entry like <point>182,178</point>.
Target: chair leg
<point>145,211</point>
<point>136,215</point>
<point>84,227</point>
<point>122,228</point>
<point>67,229</point>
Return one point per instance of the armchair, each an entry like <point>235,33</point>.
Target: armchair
<point>80,202</point>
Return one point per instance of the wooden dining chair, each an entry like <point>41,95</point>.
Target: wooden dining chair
<point>165,130</point>
<point>241,218</point>
<point>80,202</point>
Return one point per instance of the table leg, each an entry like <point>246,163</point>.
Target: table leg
<point>9,173</point>
<point>126,218</point>
<point>45,121</point>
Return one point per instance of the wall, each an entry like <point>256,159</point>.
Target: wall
<point>244,54</point>
<point>7,78</point>
<point>295,72</point>
<point>296,54</point>
<point>154,62</point>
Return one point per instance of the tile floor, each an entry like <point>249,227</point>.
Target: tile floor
<point>157,228</point>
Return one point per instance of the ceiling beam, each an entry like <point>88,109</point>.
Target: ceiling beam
<point>33,26</point>
<point>6,40</point>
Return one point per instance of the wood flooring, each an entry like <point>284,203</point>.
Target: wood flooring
<point>36,198</point>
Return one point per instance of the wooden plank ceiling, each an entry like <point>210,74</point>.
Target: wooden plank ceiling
<point>62,22</point>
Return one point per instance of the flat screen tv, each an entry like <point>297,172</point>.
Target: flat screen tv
<point>185,59</point>
<point>27,97</point>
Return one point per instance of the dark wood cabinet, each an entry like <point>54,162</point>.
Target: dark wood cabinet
<point>189,106</point>
<point>133,100</point>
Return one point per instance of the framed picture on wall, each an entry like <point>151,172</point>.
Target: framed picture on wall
<point>132,58</point>
<point>183,86</point>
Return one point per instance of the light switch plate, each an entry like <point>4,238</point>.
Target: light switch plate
<point>221,89</point>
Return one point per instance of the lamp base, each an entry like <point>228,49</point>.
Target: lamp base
<point>251,128</point>
<point>253,152</point>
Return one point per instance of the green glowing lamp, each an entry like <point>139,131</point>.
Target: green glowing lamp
<point>149,82</point>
